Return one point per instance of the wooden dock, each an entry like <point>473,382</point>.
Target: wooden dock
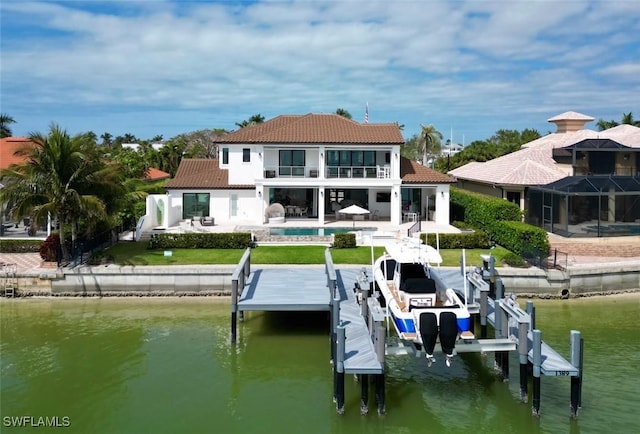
<point>306,289</point>
<point>358,340</point>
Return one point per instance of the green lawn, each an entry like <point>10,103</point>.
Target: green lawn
<point>136,253</point>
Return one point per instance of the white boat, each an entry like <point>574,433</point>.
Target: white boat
<point>419,304</point>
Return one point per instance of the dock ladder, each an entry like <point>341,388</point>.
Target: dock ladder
<point>10,279</point>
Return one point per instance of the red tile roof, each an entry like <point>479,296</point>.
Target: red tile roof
<point>415,173</point>
<point>154,174</point>
<point>202,173</point>
<point>316,128</point>
<point>8,146</point>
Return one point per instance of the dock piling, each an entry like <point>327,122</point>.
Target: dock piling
<point>338,368</point>
<point>576,381</point>
<point>537,361</point>
<point>364,395</point>
<point>523,350</point>
<point>234,310</point>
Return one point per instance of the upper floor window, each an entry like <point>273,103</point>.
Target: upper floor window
<point>292,162</point>
<point>246,155</point>
<point>351,158</point>
<point>225,155</point>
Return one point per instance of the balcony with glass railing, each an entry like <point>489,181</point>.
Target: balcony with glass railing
<point>358,172</point>
<point>347,172</point>
<point>291,172</point>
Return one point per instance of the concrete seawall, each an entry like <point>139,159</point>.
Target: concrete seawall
<point>205,280</point>
<point>578,280</point>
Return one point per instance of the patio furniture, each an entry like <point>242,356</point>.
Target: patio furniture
<point>207,221</point>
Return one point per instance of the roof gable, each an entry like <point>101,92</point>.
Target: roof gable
<point>202,173</point>
<point>316,128</point>
<point>415,173</point>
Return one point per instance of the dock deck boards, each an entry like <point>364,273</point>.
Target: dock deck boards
<point>305,289</point>
<point>299,289</point>
<point>360,355</point>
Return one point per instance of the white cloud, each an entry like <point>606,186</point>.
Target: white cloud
<point>478,65</point>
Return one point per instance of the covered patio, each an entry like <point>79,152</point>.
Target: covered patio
<point>587,206</point>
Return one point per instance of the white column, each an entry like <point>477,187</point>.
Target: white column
<point>321,194</point>
<point>442,205</point>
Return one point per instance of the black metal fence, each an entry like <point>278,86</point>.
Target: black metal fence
<point>84,248</point>
<point>555,260</point>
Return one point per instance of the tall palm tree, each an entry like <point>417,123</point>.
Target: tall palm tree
<point>431,140</point>
<point>5,121</point>
<point>62,176</point>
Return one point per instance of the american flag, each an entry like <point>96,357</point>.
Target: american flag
<point>366,114</point>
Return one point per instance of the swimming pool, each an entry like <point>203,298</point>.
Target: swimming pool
<point>313,231</point>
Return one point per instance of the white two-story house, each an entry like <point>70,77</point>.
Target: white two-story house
<point>313,165</point>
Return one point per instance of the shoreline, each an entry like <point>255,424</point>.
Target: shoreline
<point>225,295</point>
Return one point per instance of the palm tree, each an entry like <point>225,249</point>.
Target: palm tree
<point>344,113</point>
<point>62,176</point>
<point>627,118</point>
<point>5,121</point>
<point>431,139</point>
<point>253,120</point>
<point>106,139</point>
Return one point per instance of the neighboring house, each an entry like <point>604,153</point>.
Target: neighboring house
<point>313,165</point>
<point>153,174</point>
<point>450,149</point>
<point>8,148</point>
<point>571,182</point>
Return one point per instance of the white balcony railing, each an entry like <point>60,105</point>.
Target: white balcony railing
<point>373,172</point>
<point>291,172</point>
<point>358,172</point>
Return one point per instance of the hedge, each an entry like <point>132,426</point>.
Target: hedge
<point>20,246</point>
<point>227,240</point>
<point>501,219</point>
<point>522,238</point>
<point>482,211</point>
<point>464,240</point>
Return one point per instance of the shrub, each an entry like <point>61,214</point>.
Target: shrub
<point>344,240</point>
<point>49,248</point>
<point>514,260</point>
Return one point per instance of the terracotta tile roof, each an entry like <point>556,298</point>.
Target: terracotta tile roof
<point>533,163</point>
<point>8,146</point>
<point>156,174</point>
<point>415,173</point>
<point>202,173</point>
<point>316,128</point>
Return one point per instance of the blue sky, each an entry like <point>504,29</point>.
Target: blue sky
<point>151,67</point>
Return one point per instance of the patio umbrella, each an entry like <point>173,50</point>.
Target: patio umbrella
<point>354,210</point>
